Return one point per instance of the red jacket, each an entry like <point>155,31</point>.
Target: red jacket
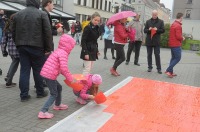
<point>175,34</point>
<point>120,33</point>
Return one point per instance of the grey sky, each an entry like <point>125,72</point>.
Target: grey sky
<point>168,3</point>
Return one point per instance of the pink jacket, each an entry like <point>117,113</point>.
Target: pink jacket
<point>87,86</point>
<point>58,60</point>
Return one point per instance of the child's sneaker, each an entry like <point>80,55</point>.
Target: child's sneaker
<point>60,107</point>
<point>45,115</point>
<point>81,101</point>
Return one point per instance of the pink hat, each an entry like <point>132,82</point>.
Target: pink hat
<point>96,79</point>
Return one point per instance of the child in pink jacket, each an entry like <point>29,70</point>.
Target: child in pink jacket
<point>56,64</point>
<point>90,89</point>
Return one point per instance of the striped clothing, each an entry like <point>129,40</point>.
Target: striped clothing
<point>7,41</point>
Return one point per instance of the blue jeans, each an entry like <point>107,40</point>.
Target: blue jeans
<point>157,56</point>
<point>31,57</point>
<point>176,57</point>
<point>12,70</point>
<point>55,94</point>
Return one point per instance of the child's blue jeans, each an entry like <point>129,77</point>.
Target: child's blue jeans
<point>55,94</point>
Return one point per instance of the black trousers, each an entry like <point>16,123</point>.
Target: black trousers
<point>157,56</point>
<point>134,46</point>
<point>120,55</point>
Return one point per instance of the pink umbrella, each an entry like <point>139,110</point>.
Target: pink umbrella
<point>120,15</point>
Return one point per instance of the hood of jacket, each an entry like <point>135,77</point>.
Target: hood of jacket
<point>34,3</point>
<point>66,43</point>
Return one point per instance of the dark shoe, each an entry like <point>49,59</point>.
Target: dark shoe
<point>113,57</point>
<point>159,72</point>
<point>149,70</point>
<point>0,72</point>
<point>10,85</point>
<point>127,63</point>
<point>43,95</point>
<point>137,64</point>
<point>105,58</point>
<point>24,99</point>
<point>6,79</point>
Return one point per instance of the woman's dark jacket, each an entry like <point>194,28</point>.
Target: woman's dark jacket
<point>89,42</point>
<point>159,24</point>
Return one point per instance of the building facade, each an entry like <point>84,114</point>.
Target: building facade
<point>191,11</point>
<point>145,8</point>
<point>106,8</point>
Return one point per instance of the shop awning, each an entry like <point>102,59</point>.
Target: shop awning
<point>6,7</point>
<point>63,14</point>
<point>21,7</point>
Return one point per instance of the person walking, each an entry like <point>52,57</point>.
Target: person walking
<point>47,6</point>
<point>108,40</point>
<point>78,30</point>
<point>101,30</point>
<point>73,29</point>
<point>33,37</point>
<point>2,24</point>
<point>135,45</point>
<point>120,39</point>
<point>175,40</point>
<point>154,25</point>
<point>90,52</point>
<point>7,41</point>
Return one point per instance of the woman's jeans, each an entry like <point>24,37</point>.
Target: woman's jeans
<point>55,94</point>
<point>176,57</point>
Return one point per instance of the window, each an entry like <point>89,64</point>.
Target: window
<point>101,3</point>
<point>139,8</point>
<point>97,4</point>
<point>109,8</point>
<point>57,2</point>
<point>188,13</point>
<point>85,3</point>
<point>78,17</point>
<point>84,17</point>
<point>105,6</point>
<point>79,2</point>
<point>189,1</point>
<point>133,1</point>
<point>130,1</point>
<point>92,3</point>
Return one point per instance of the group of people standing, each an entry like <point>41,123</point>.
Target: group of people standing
<point>116,36</point>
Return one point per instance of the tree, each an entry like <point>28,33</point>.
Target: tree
<point>165,36</point>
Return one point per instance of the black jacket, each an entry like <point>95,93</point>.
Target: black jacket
<point>89,42</point>
<point>159,24</point>
<point>78,28</point>
<point>53,29</point>
<point>31,27</point>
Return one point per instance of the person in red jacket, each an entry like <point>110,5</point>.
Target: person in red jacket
<point>175,40</point>
<point>120,39</point>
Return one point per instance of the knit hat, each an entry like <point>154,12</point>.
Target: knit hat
<point>96,79</point>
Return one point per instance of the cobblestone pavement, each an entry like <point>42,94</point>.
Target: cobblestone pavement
<point>16,116</point>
